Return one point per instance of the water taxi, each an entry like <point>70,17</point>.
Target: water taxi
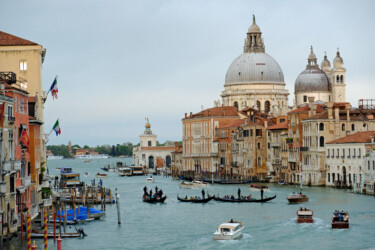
<point>229,230</point>
<point>101,175</point>
<point>340,220</point>
<point>305,215</point>
<point>150,179</point>
<point>297,198</point>
<point>200,184</point>
<point>186,184</point>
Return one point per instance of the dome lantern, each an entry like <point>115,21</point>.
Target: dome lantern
<point>325,65</point>
<point>254,40</point>
<point>338,61</point>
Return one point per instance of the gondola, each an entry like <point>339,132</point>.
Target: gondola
<point>236,182</point>
<point>245,200</point>
<point>148,199</point>
<point>196,200</point>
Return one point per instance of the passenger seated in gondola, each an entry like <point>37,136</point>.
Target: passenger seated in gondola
<point>186,197</point>
<point>232,197</point>
<point>341,217</point>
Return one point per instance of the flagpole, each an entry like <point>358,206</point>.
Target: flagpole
<point>58,120</point>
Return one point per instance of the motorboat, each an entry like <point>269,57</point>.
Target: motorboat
<point>85,174</point>
<point>257,188</point>
<point>200,184</point>
<point>150,179</point>
<point>87,160</point>
<point>101,175</point>
<point>340,220</point>
<point>283,182</point>
<point>229,230</point>
<point>186,184</point>
<point>297,198</point>
<point>305,215</point>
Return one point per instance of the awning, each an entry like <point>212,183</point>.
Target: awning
<point>21,189</point>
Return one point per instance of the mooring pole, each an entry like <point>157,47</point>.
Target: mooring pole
<point>118,207</point>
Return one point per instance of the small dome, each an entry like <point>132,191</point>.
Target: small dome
<point>254,68</point>
<point>312,80</point>
<point>148,125</point>
<point>338,61</point>
<point>312,55</point>
<point>325,63</point>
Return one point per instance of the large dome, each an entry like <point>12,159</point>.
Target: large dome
<point>254,68</point>
<point>311,80</point>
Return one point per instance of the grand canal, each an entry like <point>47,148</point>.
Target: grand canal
<point>176,225</point>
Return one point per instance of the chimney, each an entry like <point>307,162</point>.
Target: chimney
<point>265,124</point>
<point>329,106</point>
<point>347,107</point>
<point>191,114</point>
<point>185,115</point>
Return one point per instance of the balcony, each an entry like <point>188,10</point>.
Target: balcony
<point>275,144</point>
<point>234,164</point>
<point>11,120</point>
<point>17,166</point>
<point>222,165</point>
<point>276,161</point>
<point>8,166</point>
<point>292,159</point>
<point>26,181</point>
<point>3,187</point>
<point>304,149</point>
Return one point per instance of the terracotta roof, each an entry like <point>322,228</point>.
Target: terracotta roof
<point>306,108</point>
<point>157,148</point>
<point>360,137</point>
<point>11,40</point>
<point>233,124</point>
<point>282,125</point>
<point>217,111</point>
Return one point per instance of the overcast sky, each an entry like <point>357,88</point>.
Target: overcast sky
<point>121,61</point>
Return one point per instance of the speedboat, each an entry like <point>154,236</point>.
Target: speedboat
<point>85,174</point>
<point>200,184</point>
<point>150,179</point>
<point>305,215</point>
<point>340,220</point>
<point>186,184</point>
<point>297,198</point>
<point>229,230</point>
<point>101,175</point>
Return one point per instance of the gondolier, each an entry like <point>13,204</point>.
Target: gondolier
<point>145,190</point>
<point>261,193</point>
<point>203,193</point>
<point>239,193</point>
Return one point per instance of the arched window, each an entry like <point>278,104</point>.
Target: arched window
<point>353,127</point>
<point>321,127</point>
<point>267,107</point>
<point>259,161</point>
<point>337,78</point>
<point>258,145</point>
<point>343,127</point>
<point>342,79</point>
<point>321,141</point>
<point>258,105</point>
<point>261,76</point>
<point>235,104</point>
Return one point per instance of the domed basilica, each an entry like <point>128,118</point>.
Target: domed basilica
<point>256,80</point>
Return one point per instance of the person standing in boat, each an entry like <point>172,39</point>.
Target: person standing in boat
<point>145,190</point>
<point>160,193</point>
<point>203,193</point>
<point>239,193</point>
<point>261,193</point>
<point>156,189</point>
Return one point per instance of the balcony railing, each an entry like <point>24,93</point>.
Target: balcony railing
<point>234,164</point>
<point>7,166</point>
<point>276,161</point>
<point>304,149</point>
<point>275,144</point>
<point>11,119</point>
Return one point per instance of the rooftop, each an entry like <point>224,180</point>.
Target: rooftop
<point>11,40</point>
<point>360,137</point>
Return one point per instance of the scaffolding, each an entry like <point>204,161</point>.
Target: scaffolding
<point>366,104</point>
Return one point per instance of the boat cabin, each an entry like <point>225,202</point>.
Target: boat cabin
<point>69,179</point>
<point>138,171</point>
<point>66,170</point>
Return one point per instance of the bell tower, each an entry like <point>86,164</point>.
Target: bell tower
<point>338,79</point>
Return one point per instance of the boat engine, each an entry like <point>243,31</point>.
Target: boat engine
<point>80,230</point>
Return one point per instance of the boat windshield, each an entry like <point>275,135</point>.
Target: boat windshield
<point>225,230</point>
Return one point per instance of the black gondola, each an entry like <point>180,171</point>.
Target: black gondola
<point>148,199</point>
<point>236,182</point>
<point>245,200</point>
<point>196,200</point>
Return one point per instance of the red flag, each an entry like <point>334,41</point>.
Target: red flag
<point>2,107</point>
<point>25,139</point>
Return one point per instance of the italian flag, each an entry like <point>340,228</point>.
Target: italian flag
<point>56,128</point>
<point>53,89</point>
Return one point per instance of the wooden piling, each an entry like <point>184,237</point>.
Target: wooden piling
<point>118,207</point>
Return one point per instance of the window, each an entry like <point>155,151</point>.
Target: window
<point>21,105</point>
<point>321,141</point>
<point>304,98</point>
<point>353,152</point>
<point>343,127</point>
<point>333,177</point>
<point>149,143</point>
<point>337,78</point>
<point>23,65</point>
<point>368,165</point>
<point>359,153</point>
<point>267,106</point>
<point>343,153</point>
<point>259,161</point>
<point>329,179</point>
<point>269,145</point>
<point>23,85</point>
<point>349,153</point>
<point>258,132</point>
<point>321,127</point>
<point>373,165</point>
<point>327,153</point>
<point>245,133</point>
<point>258,105</point>
<point>333,153</point>
<point>342,79</point>
<point>353,127</point>
<point>251,132</point>
<point>10,111</point>
<point>258,145</point>
<point>235,104</point>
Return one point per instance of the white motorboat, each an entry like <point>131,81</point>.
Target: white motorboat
<point>200,184</point>
<point>229,230</point>
<point>150,179</point>
<point>186,184</point>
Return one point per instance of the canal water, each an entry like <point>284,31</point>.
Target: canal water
<point>176,225</point>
